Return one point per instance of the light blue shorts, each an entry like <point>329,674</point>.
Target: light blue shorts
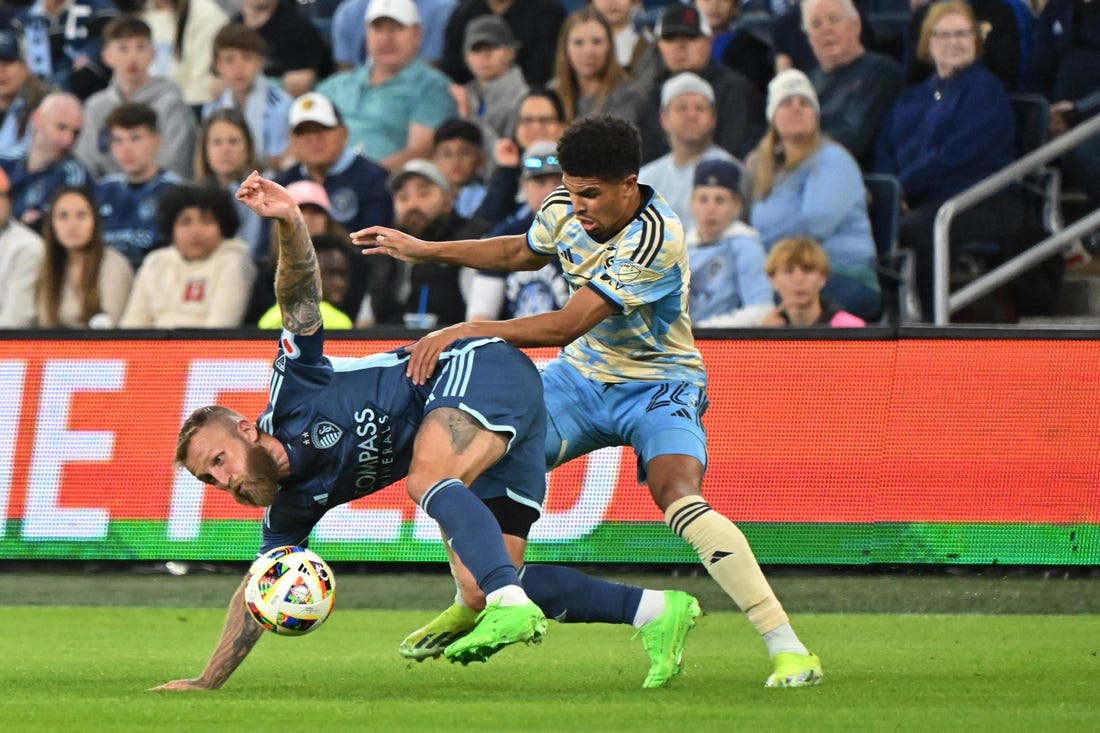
<point>654,418</point>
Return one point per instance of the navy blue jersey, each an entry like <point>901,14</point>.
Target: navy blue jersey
<point>348,424</point>
<point>129,212</point>
<point>32,191</point>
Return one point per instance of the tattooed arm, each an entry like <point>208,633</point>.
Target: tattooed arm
<point>238,637</point>
<point>297,276</point>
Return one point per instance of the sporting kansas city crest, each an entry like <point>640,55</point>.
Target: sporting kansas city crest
<point>325,434</point>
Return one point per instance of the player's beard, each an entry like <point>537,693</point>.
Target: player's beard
<point>262,484</point>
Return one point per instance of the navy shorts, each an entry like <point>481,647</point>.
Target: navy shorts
<point>501,389</point>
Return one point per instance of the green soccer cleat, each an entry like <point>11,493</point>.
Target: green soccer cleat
<point>497,627</point>
<point>664,637</point>
<point>795,670</point>
<point>430,641</point>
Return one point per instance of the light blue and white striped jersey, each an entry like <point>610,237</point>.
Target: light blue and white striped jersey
<point>643,272</point>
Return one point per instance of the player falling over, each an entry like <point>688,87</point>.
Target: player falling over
<point>629,372</point>
<point>469,442</point>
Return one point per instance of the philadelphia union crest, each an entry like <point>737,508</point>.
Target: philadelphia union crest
<point>325,434</point>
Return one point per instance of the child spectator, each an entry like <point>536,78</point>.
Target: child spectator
<point>128,51</point>
<point>460,155</point>
<point>128,201</point>
<point>498,86</point>
<point>798,268</point>
<point>728,284</point>
<point>83,283</point>
<point>204,279</point>
<point>239,63</point>
<point>332,260</point>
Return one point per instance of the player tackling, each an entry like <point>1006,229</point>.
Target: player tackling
<point>629,372</point>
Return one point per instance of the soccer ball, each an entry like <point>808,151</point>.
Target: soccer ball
<point>290,590</point>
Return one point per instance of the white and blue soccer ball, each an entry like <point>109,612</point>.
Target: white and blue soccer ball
<point>290,590</point>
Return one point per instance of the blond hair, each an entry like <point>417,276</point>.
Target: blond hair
<point>200,418</point>
<point>768,159</point>
<point>803,252</point>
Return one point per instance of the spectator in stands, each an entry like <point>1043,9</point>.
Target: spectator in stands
<point>297,54</point>
<point>805,184</point>
<point>497,86</point>
<point>128,51</point>
<point>129,200</point>
<point>540,116</point>
<point>349,48</point>
<point>224,157</point>
<point>459,152</point>
<point>1001,38</point>
<point>739,48</point>
<point>20,92</point>
<point>21,253</point>
<point>239,63</point>
<point>798,268</point>
<point>792,48</point>
<point>1067,73</point>
<point>183,43</point>
<point>498,295</point>
<point>728,286</point>
<point>684,41</point>
<point>423,203</point>
<point>688,119</point>
<point>47,163</point>
<point>632,44</point>
<point>356,186</point>
<point>317,210</point>
<point>534,23</point>
<point>394,102</point>
<point>587,76</point>
<point>63,40</point>
<point>334,265</point>
<point>204,279</point>
<point>855,87</point>
<point>83,283</point>
<point>945,135</point>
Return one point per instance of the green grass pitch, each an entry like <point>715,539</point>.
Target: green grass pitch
<point>87,669</point>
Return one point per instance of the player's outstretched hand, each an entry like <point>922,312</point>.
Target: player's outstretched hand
<point>196,684</point>
<point>267,198</point>
<point>424,354</point>
<point>387,241</point>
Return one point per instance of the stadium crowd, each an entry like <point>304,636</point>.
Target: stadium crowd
<point>126,126</point>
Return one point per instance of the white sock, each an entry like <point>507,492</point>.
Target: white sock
<point>783,639</point>
<point>651,606</point>
<point>509,595</point>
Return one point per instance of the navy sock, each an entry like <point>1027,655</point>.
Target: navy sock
<point>473,533</point>
<point>570,596</point>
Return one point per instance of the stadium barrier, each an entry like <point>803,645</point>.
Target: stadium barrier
<point>861,446</point>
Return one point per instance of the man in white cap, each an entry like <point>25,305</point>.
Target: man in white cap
<point>394,102</point>
<point>349,33</point>
<point>356,186</point>
<point>688,118</point>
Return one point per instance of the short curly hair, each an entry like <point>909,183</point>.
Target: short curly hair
<point>214,199</point>
<point>603,146</point>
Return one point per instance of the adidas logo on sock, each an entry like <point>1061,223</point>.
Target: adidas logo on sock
<point>718,555</point>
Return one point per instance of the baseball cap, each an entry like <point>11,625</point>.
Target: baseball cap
<point>686,82</point>
<point>682,20</point>
<point>9,47</point>
<point>490,30</point>
<point>790,83</point>
<point>403,11</point>
<point>314,107</point>
<point>540,159</point>
<point>724,173</point>
<point>417,167</point>
<point>309,193</point>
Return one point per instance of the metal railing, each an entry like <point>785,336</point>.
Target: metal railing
<point>944,303</point>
